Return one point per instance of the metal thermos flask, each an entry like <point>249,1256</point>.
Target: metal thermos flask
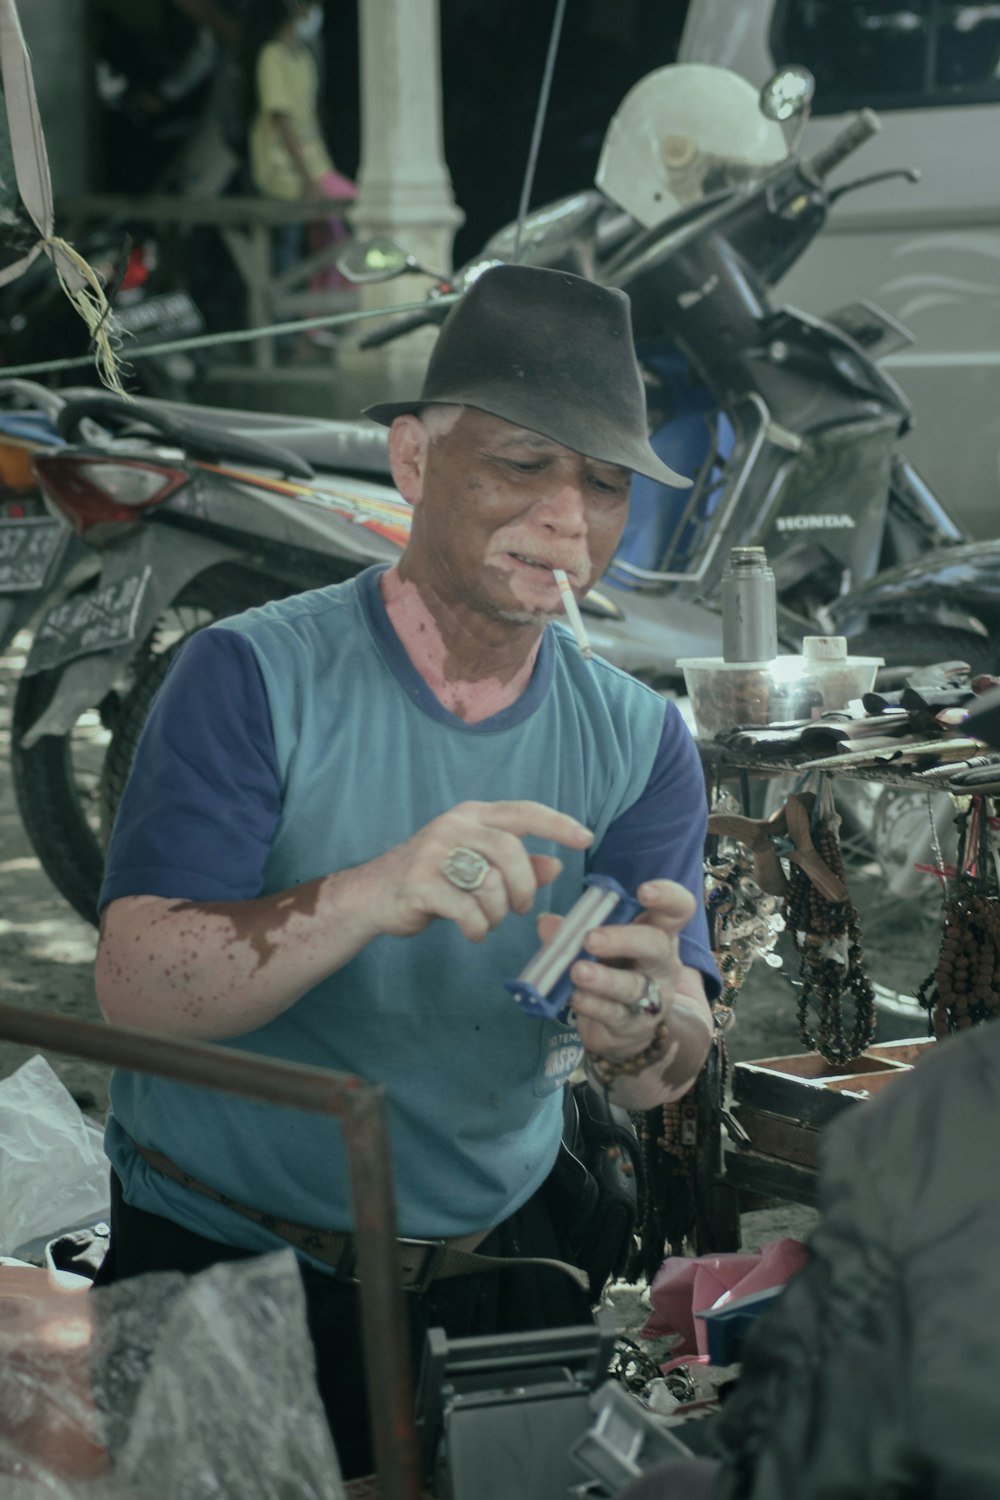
<point>749,609</point>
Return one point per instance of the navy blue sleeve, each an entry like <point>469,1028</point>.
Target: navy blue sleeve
<point>203,797</point>
<point>662,836</point>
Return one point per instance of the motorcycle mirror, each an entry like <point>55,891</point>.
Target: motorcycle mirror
<point>379,259</point>
<point>787,93</point>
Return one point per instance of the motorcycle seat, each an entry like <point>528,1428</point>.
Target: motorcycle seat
<point>354,446</point>
<point>296,446</point>
<point>323,443</point>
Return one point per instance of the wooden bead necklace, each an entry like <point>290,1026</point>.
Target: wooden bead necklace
<point>964,987</point>
<point>827,938</point>
<point>669,1146</point>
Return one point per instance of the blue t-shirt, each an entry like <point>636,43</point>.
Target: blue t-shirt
<point>297,739</point>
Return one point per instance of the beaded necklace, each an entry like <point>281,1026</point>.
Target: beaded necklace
<point>827,938</point>
<point>964,987</point>
<point>744,924</point>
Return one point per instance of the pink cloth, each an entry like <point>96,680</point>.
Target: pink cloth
<point>684,1286</point>
<point>331,232</point>
<point>336,185</point>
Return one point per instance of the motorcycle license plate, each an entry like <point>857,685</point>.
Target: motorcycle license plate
<point>168,315</point>
<point>28,549</point>
<point>106,617</point>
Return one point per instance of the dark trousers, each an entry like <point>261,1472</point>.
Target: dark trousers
<point>514,1301</point>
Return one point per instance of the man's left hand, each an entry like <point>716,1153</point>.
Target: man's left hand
<point>607,991</point>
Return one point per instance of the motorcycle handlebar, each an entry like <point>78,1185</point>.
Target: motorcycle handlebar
<point>850,138</point>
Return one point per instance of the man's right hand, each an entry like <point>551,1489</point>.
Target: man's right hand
<point>222,968</point>
<point>412,888</point>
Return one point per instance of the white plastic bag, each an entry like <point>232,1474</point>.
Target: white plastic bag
<point>53,1171</point>
<point>163,1387</point>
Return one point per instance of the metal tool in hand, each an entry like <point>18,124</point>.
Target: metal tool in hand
<point>544,986</point>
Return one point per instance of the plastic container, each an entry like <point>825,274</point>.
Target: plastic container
<point>725,695</point>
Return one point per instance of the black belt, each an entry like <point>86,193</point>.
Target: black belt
<point>421,1261</point>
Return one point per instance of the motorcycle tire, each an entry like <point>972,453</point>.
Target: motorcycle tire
<point>59,782</point>
<point>52,799</point>
<point>129,724</point>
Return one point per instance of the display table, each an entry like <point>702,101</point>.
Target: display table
<point>776,1107</point>
<point>885,766</point>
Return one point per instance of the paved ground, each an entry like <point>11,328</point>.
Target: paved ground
<point>46,951</point>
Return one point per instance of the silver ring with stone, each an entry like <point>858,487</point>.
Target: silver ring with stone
<point>465,868</point>
<point>651,1001</point>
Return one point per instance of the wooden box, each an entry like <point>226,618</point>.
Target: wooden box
<point>780,1104</point>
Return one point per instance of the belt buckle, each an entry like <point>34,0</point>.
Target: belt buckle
<point>422,1275</point>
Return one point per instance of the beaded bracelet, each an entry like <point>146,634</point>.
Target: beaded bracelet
<point>605,1069</point>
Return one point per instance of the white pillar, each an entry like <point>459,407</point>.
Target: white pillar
<point>404,188</point>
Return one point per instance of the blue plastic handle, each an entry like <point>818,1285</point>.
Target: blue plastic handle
<point>555,1004</point>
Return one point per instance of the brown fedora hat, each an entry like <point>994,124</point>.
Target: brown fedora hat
<point>550,352</point>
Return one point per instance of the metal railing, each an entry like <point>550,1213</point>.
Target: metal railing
<point>361,1109</point>
<point>244,225</point>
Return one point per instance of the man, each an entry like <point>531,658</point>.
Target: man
<point>346,808</point>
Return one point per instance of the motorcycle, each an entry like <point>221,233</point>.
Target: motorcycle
<point>149,306</point>
<point>39,552</point>
<point>787,422</point>
<point>111,625</point>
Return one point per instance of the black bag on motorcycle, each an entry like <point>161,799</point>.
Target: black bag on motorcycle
<point>594,1188</point>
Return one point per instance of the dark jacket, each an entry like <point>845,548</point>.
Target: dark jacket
<point>877,1374</point>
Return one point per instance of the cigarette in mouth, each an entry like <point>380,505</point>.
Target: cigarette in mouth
<point>573,613</point>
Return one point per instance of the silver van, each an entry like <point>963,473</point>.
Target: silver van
<point>928,253</point>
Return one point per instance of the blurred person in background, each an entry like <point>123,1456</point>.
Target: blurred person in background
<point>289,158</point>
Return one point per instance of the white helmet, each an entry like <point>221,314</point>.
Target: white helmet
<point>678,134</point>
